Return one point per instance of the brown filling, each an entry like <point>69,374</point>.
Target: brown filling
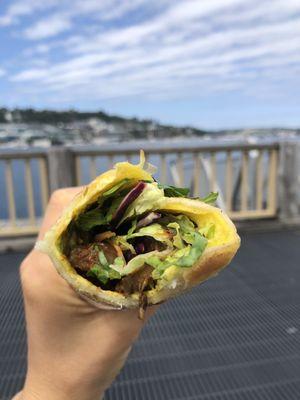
<point>84,257</point>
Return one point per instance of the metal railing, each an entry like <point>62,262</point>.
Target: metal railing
<point>200,163</point>
<point>245,175</point>
<point>21,192</point>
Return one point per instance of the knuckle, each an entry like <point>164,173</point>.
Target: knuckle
<point>57,195</point>
<point>30,280</point>
<point>63,195</point>
<point>25,270</point>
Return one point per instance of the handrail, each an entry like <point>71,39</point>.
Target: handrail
<point>178,147</point>
<point>17,154</point>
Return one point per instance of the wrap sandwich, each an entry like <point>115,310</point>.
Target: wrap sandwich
<point>126,241</point>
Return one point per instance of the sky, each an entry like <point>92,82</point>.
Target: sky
<point>213,64</point>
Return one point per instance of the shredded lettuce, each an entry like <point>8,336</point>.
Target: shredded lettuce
<point>177,240</point>
<point>146,166</point>
<point>186,225</point>
<point>138,262</point>
<point>122,242</point>
<point>184,258</point>
<point>103,271</point>
<point>103,274</point>
<point>195,252</point>
<point>102,259</point>
<point>156,231</point>
<point>208,231</point>
<point>119,262</point>
<point>160,265</point>
<point>91,219</point>
<point>188,237</point>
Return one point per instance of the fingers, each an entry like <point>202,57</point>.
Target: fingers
<point>58,201</point>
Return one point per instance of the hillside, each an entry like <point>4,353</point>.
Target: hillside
<point>133,126</point>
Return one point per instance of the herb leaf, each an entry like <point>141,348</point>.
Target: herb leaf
<point>91,219</point>
<point>116,187</point>
<point>102,259</point>
<point>103,274</point>
<point>173,191</point>
<point>97,272</point>
<point>210,198</point>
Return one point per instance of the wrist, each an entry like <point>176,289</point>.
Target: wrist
<point>36,388</point>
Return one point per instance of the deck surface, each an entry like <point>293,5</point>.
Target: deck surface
<point>235,337</point>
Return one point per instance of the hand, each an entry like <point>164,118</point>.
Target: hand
<point>74,349</point>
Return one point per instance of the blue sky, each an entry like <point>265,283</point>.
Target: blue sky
<point>209,63</point>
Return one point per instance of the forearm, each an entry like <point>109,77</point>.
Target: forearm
<point>18,396</point>
<point>37,392</point>
<point>22,396</point>
<point>44,385</point>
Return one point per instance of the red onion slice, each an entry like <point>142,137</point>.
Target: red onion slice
<point>128,199</point>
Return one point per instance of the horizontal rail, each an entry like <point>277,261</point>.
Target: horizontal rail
<point>22,230</point>
<point>21,154</point>
<point>251,214</point>
<point>177,147</point>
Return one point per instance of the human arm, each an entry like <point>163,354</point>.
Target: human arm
<point>74,349</point>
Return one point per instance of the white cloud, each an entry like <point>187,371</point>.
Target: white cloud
<point>48,27</point>
<point>106,9</point>
<point>188,47</point>
<point>2,72</point>
<point>24,8</point>
<point>64,13</point>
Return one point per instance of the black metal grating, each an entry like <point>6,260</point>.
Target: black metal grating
<point>234,338</point>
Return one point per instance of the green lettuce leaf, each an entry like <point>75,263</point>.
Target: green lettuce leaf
<point>183,258</point>
<point>102,259</point>
<point>195,252</point>
<point>113,208</point>
<point>103,271</point>
<point>210,198</point>
<point>122,242</point>
<point>177,240</point>
<point>91,219</point>
<point>173,191</point>
<point>99,273</point>
<point>208,231</point>
<point>98,216</point>
<point>133,227</point>
<point>160,265</point>
<point>138,262</point>
<point>188,237</point>
<point>116,187</point>
<point>103,274</point>
<point>155,230</point>
<point>119,262</point>
<point>186,225</point>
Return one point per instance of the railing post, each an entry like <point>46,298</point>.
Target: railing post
<point>61,167</point>
<point>289,185</point>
